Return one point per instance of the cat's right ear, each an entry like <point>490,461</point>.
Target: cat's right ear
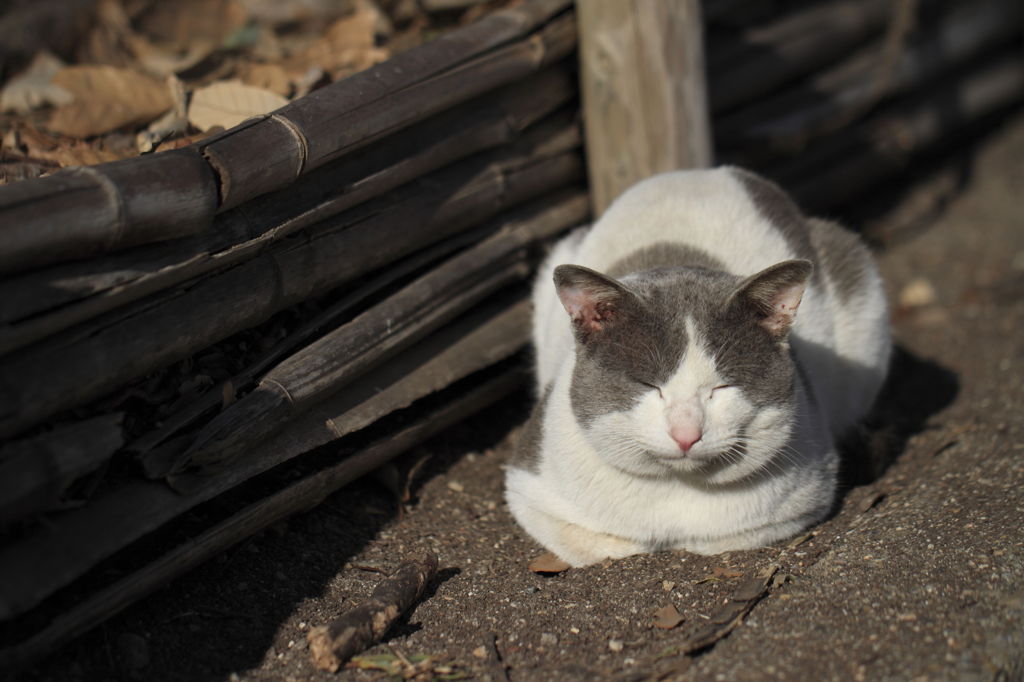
<point>594,301</point>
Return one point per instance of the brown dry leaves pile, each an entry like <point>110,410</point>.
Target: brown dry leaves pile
<point>146,75</point>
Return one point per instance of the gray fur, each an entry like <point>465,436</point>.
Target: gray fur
<point>778,209</point>
<point>664,255</point>
<point>527,451</point>
<point>647,343</point>
<point>841,256</point>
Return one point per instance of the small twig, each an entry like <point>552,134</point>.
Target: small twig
<point>331,645</point>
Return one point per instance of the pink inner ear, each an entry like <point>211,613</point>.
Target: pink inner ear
<point>784,307</point>
<point>584,309</point>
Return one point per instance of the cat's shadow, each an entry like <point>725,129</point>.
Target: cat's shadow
<point>915,390</point>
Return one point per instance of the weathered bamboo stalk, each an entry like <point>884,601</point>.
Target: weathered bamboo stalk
<point>320,369</point>
<point>361,627</point>
<point>297,497</point>
<point>173,424</point>
<point>35,472</point>
<point>97,357</point>
<point>79,212</point>
<point>837,95</point>
<point>837,169</point>
<point>41,303</point>
<point>770,56</point>
<point>307,133</point>
<point>38,565</point>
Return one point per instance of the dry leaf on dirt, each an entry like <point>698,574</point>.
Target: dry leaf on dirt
<point>107,98</point>
<point>183,23</point>
<point>32,88</point>
<point>548,563</point>
<point>271,77</point>
<point>667,617</point>
<point>348,46</point>
<point>174,122</point>
<point>229,103</point>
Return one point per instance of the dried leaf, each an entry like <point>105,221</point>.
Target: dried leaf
<point>667,617</point>
<point>107,98</point>
<point>32,88</point>
<point>548,563</point>
<point>228,103</point>
<point>348,46</point>
<point>185,22</point>
<point>271,77</point>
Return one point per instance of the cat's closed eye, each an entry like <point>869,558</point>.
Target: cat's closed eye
<point>719,388</point>
<point>650,385</point>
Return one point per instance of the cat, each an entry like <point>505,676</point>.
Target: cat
<point>699,350</point>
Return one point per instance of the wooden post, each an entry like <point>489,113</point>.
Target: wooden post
<point>644,101</point>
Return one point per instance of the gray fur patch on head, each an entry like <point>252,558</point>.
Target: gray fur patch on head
<point>614,371</point>
<point>664,255</point>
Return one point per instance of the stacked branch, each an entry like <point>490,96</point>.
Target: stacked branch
<point>835,97</point>
<point>920,75</point>
<point>163,196</point>
<point>394,216</point>
<point>94,358</point>
<point>46,301</point>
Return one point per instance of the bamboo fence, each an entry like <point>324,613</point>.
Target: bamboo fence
<point>376,235</point>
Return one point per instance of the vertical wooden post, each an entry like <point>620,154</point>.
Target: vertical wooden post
<point>644,101</point>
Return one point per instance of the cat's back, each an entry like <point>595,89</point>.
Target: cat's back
<point>726,216</point>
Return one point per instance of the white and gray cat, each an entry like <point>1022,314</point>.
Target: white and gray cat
<point>685,403</point>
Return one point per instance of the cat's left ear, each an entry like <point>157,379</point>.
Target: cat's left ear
<point>595,302</point>
<point>774,294</point>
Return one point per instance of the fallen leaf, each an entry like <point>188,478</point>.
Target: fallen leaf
<point>32,88</point>
<point>228,103</point>
<point>107,98</point>
<point>82,154</point>
<point>185,22</point>
<point>348,46</point>
<point>548,563</point>
<point>179,142</point>
<point>917,293</point>
<point>271,77</point>
<point>667,617</point>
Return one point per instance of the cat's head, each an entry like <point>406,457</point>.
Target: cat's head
<point>684,369</point>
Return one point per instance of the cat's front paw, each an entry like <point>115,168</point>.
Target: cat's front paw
<point>580,546</point>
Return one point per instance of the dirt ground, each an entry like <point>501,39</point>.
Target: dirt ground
<point>919,574</point>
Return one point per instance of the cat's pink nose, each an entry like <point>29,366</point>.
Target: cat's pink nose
<point>685,435</point>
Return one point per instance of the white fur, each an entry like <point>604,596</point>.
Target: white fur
<point>619,486</point>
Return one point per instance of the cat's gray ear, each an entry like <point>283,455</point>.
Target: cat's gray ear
<point>593,301</point>
<point>774,294</point>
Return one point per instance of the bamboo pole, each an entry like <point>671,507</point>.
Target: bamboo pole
<point>79,212</point>
<point>42,303</point>
<point>766,58</point>
<point>336,120</point>
<point>97,357</point>
<point>848,164</point>
<point>205,404</point>
<point>644,101</point>
<point>38,565</point>
<point>837,96</point>
<point>35,472</point>
<point>297,497</point>
<point>323,367</point>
